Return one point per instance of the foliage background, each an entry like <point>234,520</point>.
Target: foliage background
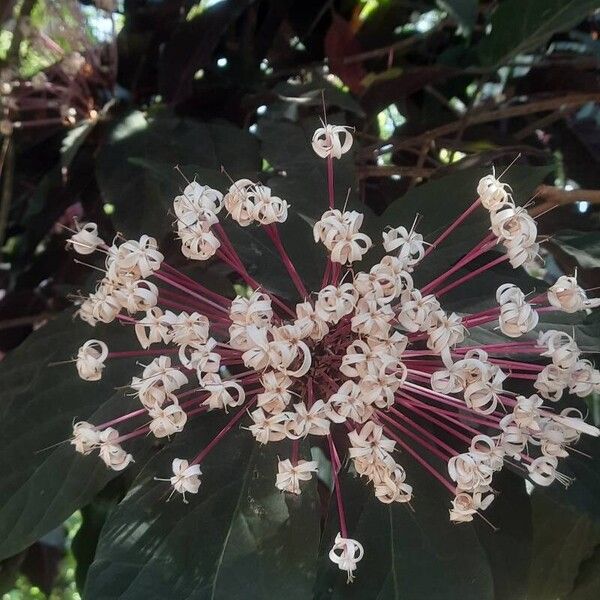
<point>437,91</point>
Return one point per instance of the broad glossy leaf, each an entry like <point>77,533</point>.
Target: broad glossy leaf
<point>238,538</point>
<point>582,247</point>
<point>93,517</point>
<point>44,480</point>
<point>564,541</point>
<point>519,26</point>
<point>509,546</point>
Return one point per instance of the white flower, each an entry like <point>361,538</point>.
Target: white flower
<point>370,443</point>
<point>522,255</point>
<point>267,208</point>
<point>276,395</point>
<point>111,452</point>
<point>464,506</point>
<point>526,412</point>
<point>268,428</point>
<point>293,358</point>
<point>482,393</point>
<point>101,306</point>
<point>333,302</point>
<point>198,242</point>
<point>313,326</point>
<point>140,259</point>
<point>90,360</point>
<point>492,193</point>
<point>327,141</point>
<point>339,232</point>
<point>390,486</point>
<point>86,437</point>
<point>289,476</point>
<point>517,317</point>
<point>86,240</point>
<point>136,295</point>
<point>158,380</point>
<point>167,421</point>
<point>410,245</point>
<point>561,347</point>
<point>347,403</point>
<point>186,477</point>
<point>239,202</point>
<point>371,319</point>
<point>485,449</point>
<point>201,357</point>
<point>469,472</point>
<point>155,327</point>
<point>513,439</point>
<point>568,296</point>
<point>384,283</point>
<point>379,389</point>
<point>584,379</point>
<point>346,554</point>
<point>417,310</point>
<point>551,382</point>
<point>197,203</point>
<point>543,470</point>
<point>514,226</point>
<point>305,421</point>
<point>351,249</point>
<point>219,395</point>
<point>444,332</point>
<point>255,310</point>
<point>189,328</point>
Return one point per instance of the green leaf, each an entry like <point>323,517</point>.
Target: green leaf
<point>408,555</point>
<point>582,247</point>
<point>509,546</point>
<point>464,12</point>
<point>519,26</point>
<point>44,480</point>
<point>133,165</point>
<point>238,538</point>
<point>93,517</point>
<point>566,540</point>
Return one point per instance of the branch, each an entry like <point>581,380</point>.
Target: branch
<point>388,170</point>
<point>486,116</point>
<point>552,197</point>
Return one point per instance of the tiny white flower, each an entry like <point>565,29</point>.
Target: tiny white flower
<point>111,452</point>
<point>289,476</point>
<point>86,437</point>
<point>568,296</point>
<point>517,317</point>
<point>186,477</point>
<point>492,193</point>
<point>332,141</point>
<point>90,360</point>
<point>346,553</point>
<point>86,240</point>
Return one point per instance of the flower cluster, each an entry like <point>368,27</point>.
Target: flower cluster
<point>369,365</point>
